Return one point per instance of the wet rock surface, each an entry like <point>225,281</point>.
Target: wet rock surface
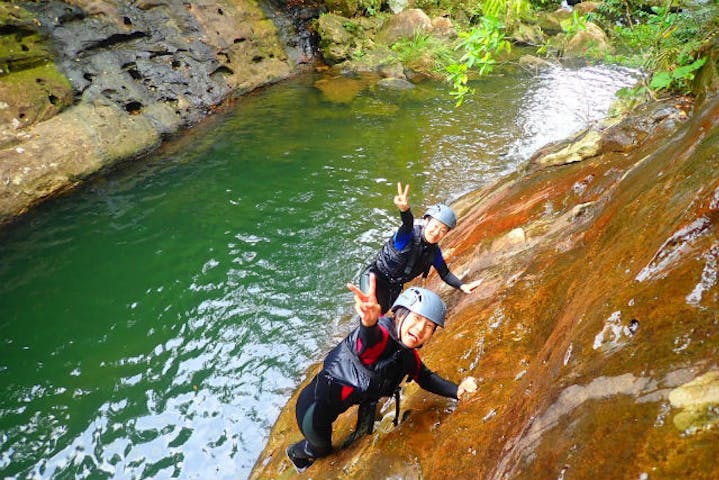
<point>594,334</point>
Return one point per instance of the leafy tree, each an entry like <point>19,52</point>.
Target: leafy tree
<point>664,41</point>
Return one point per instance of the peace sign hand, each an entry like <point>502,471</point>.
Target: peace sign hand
<point>401,199</point>
<point>366,304</point>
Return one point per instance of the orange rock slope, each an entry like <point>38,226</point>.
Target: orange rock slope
<point>594,334</point>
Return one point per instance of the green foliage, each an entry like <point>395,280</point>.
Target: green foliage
<point>358,53</point>
<point>574,24</point>
<point>676,79</point>
<point>508,12</point>
<point>662,41</point>
<point>545,4</point>
<point>618,12</point>
<point>351,27</point>
<point>457,76</point>
<point>481,45</point>
<point>370,7</point>
<point>423,51</point>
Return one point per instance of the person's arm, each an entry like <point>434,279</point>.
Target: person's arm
<point>432,382</point>
<point>443,270</point>
<point>450,278</point>
<point>404,234</point>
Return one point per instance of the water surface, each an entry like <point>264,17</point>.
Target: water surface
<point>154,323</point>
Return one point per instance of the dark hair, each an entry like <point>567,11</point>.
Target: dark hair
<point>399,314</point>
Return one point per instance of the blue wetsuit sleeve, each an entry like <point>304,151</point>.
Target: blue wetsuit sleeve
<point>432,382</point>
<point>441,266</point>
<point>404,234</point>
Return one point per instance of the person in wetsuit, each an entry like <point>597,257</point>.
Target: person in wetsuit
<point>412,250</point>
<point>370,363</point>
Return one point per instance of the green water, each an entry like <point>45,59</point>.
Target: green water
<point>154,323</point>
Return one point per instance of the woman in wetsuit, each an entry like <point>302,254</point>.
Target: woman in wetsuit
<point>412,250</point>
<point>370,363</point>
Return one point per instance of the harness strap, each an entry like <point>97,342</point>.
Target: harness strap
<point>396,406</point>
<point>414,254</point>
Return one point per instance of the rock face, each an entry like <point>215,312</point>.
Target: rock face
<point>593,335</point>
<point>132,73</point>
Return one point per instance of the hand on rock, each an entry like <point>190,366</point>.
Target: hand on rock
<point>468,385</point>
<point>469,287</point>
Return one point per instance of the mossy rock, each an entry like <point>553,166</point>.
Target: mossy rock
<point>341,38</point>
<point>551,22</point>
<point>347,8</point>
<point>524,34</point>
<point>21,44</point>
<point>33,95</point>
<point>699,401</point>
<point>31,87</point>
<point>590,41</point>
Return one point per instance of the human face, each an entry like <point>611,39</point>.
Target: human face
<point>434,230</point>
<point>415,330</point>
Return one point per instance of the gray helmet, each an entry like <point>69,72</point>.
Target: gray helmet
<point>422,302</point>
<point>442,213</point>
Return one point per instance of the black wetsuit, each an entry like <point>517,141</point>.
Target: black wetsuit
<point>345,381</point>
<point>405,256</point>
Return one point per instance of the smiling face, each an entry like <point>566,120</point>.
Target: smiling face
<point>415,330</point>
<point>434,230</point>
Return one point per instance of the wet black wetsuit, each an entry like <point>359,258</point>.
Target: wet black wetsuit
<point>405,256</point>
<point>344,381</point>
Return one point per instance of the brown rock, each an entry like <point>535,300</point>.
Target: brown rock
<point>405,24</point>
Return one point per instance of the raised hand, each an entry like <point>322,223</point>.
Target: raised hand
<point>366,304</point>
<point>469,287</point>
<point>402,197</point>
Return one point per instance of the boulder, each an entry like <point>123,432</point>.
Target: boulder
<point>341,88</point>
<point>589,41</point>
<point>345,8</point>
<point>397,84</point>
<point>405,24</point>
<point>525,34</point>
<point>533,63</point>
<point>338,37</point>
<point>551,22</point>
<point>443,27</point>
<point>586,7</point>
